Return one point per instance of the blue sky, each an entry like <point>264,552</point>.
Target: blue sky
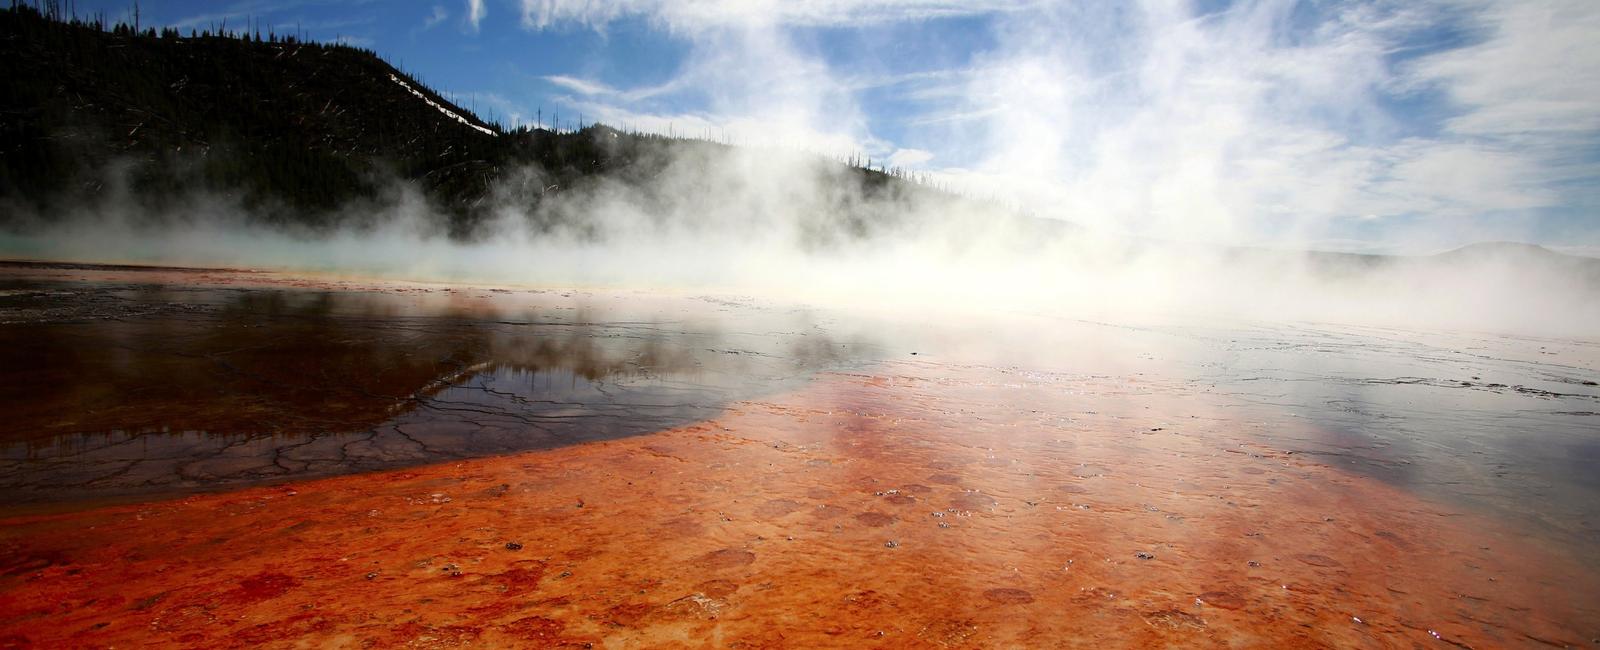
<point>1368,125</point>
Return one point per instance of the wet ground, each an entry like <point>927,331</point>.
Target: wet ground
<point>220,459</point>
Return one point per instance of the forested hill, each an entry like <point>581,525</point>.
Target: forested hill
<point>293,130</point>
<point>304,126</point>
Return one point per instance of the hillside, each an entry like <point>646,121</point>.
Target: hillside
<point>301,126</point>
<point>294,131</point>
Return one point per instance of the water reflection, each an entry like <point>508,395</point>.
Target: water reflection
<point>197,388</point>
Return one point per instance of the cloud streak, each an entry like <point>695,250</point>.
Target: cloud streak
<point>439,15</point>
<point>697,15</point>
<point>580,86</point>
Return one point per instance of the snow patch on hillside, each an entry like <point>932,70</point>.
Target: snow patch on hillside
<point>448,113</point>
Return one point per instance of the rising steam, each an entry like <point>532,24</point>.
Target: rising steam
<point>1172,169</point>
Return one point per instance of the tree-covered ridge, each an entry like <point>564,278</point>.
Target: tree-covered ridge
<point>293,130</point>
<point>297,127</point>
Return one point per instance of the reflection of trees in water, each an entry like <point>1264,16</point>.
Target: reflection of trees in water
<point>244,386</point>
<point>297,362</point>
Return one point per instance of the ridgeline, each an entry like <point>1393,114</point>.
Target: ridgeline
<point>294,131</point>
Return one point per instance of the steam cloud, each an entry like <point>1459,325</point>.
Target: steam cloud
<point>1249,126</point>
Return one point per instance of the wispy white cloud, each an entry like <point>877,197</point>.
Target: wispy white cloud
<point>1537,73</point>
<point>945,115</point>
<point>692,15</point>
<point>580,86</point>
<point>1243,124</point>
<point>593,88</point>
<point>475,13</point>
<point>1530,93</point>
<point>438,16</point>
<point>922,79</point>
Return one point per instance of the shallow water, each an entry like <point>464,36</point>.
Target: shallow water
<point>124,388</point>
<point>683,469</point>
<point>1491,421</point>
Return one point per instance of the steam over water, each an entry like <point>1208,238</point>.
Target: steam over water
<point>788,225</point>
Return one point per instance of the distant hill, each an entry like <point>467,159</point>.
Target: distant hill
<point>1520,256</point>
<point>1507,249</point>
<point>294,130</point>
<point>1499,259</point>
